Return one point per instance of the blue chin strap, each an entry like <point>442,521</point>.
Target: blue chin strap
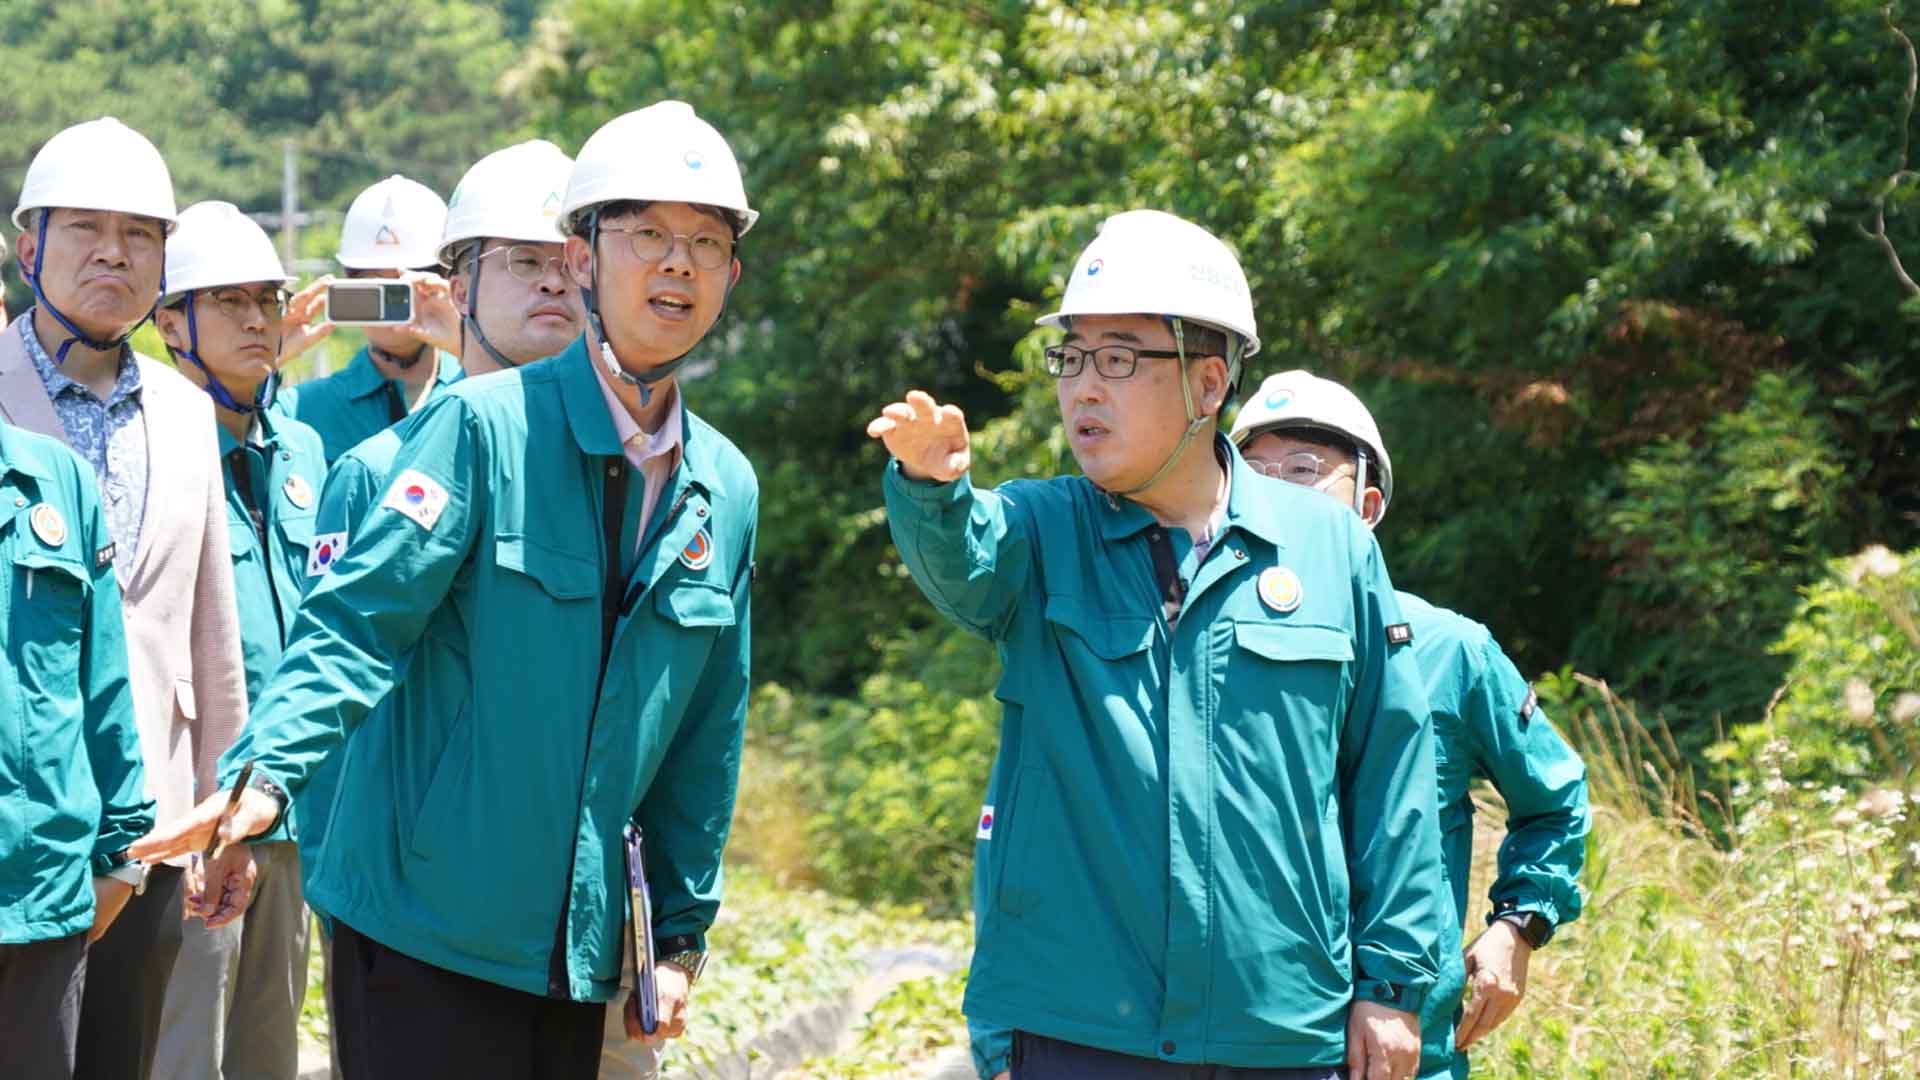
<point>262,397</point>
<point>79,336</point>
<point>590,299</point>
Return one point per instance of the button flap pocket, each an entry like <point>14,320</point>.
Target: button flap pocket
<point>561,574</point>
<point>41,561</point>
<point>695,603</point>
<point>1110,636</point>
<point>1278,641</point>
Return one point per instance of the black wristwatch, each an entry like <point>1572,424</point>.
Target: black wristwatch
<point>259,782</point>
<point>1535,929</point>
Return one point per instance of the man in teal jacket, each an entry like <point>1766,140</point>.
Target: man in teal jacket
<point>1210,836</point>
<point>69,754</point>
<point>1487,724</point>
<point>554,589</point>
<point>224,322</point>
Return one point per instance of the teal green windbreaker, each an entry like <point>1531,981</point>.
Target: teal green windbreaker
<point>357,402</point>
<point>1202,843</point>
<point>285,467</point>
<point>477,823</point>
<point>72,787</point>
<point>1488,725</point>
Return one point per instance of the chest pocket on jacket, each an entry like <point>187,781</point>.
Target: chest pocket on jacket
<point>296,532</point>
<point>694,603</point>
<point>1298,669</point>
<point>1106,636</point>
<point>46,625</point>
<point>561,575</point>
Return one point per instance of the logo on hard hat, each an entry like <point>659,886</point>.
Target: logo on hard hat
<point>551,208</point>
<point>1094,267</point>
<point>693,159</point>
<point>1280,398</point>
<point>386,237</point>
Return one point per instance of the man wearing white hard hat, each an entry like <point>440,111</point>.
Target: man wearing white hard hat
<point>225,320</point>
<point>1209,836</point>
<point>392,230</point>
<point>504,251</point>
<point>1487,724</point>
<point>553,543</point>
<point>95,212</point>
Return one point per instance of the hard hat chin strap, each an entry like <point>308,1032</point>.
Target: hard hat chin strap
<point>1194,423</point>
<point>590,299</point>
<point>262,395</point>
<point>78,336</point>
<point>470,319</point>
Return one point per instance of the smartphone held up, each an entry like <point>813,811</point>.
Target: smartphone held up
<point>370,303</point>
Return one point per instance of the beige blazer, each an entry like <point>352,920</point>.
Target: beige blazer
<point>183,631</point>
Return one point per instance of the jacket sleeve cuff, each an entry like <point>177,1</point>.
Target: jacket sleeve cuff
<point>105,864</point>
<point>1520,903</point>
<point>931,493</point>
<point>1393,995</point>
<point>990,1065</point>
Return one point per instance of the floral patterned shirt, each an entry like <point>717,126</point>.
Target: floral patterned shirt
<point>110,435</point>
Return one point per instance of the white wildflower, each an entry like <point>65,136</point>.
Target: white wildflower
<point>1857,699</point>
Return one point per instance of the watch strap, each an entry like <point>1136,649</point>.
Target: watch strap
<point>691,961</point>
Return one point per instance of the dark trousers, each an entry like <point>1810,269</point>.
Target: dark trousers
<point>127,973</point>
<point>1036,1057</point>
<point>40,985</point>
<point>396,1018</point>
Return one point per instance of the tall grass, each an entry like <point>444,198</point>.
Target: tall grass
<point>1762,930</point>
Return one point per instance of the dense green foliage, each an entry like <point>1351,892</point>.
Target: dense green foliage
<point>1600,270</point>
<point>218,85</point>
<point>1609,274</point>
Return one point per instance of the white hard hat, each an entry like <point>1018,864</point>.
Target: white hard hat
<point>99,165</point>
<point>1147,262</point>
<point>513,194</point>
<point>393,225</point>
<point>215,244</point>
<point>1294,400</point>
<point>662,153</point>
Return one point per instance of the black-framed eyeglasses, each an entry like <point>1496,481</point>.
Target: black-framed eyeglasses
<point>1111,361</point>
<point>711,250</point>
<point>237,303</point>
<point>525,262</point>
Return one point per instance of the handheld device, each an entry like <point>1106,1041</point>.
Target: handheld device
<point>369,302</point>
<point>640,912</point>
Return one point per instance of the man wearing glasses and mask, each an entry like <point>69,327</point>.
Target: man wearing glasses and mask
<point>1487,724</point>
<point>1209,836</point>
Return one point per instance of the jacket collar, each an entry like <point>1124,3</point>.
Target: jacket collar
<point>592,426</point>
<point>362,378</point>
<point>15,458</point>
<point>1250,505</point>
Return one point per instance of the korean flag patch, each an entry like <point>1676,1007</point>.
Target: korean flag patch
<point>326,550</point>
<point>985,831</point>
<point>418,496</point>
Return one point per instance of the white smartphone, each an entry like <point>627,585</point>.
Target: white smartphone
<point>369,303</point>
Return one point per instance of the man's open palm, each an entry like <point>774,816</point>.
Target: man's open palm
<point>929,439</point>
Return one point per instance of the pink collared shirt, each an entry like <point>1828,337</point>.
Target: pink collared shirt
<point>654,455</point>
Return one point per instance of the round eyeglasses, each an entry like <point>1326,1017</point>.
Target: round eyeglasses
<point>1303,467</point>
<point>237,304</point>
<point>651,243</point>
<point>525,262</point>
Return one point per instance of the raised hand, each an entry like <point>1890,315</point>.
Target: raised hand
<point>435,320</point>
<point>304,326</point>
<point>190,832</point>
<point>928,439</point>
